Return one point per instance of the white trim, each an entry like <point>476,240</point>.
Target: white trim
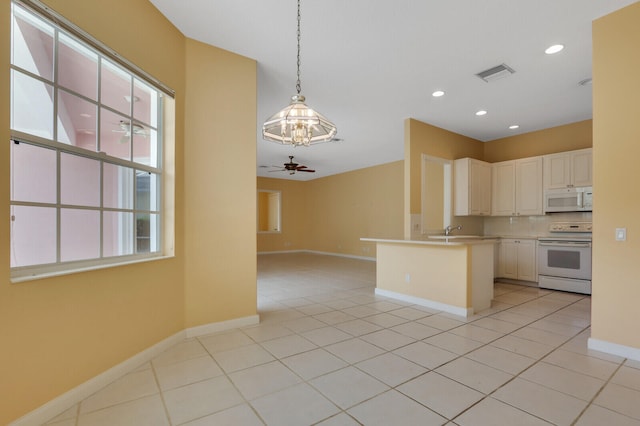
<point>69,28</point>
<point>65,401</point>
<point>455,310</point>
<point>349,256</point>
<point>215,327</point>
<point>280,252</point>
<point>614,349</point>
<point>68,399</point>
<point>324,253</point>
<point>95,267</point>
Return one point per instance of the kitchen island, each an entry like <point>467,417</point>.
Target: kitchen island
<point>450,275</point>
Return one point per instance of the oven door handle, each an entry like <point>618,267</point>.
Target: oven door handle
<point>577,245</point>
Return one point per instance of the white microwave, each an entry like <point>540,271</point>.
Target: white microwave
<point>568,200</point>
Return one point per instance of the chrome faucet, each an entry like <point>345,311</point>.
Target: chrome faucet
<point>449,228</point>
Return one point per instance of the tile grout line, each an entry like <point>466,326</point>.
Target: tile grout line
<point>591,401</point>
<point>527,368</point>
<point>442,332</point>
<point>226,376</point>
<point>161,392</point>
<point>359,292</point>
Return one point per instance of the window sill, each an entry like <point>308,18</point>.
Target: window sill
<point>44,275</point>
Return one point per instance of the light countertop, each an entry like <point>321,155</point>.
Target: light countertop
<point>437,242</point>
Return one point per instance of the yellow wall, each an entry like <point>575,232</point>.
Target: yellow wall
<point>616,149</point>
<point>548,141</point>
<point>434,178</point>
<point>331,214</point>
<point>421,138</point>
<point>294,218</point>
<point>436,273</point>
<point>346,207</point>
<point>57,333</point>
<point>220,221</point>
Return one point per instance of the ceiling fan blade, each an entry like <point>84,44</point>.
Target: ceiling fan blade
<point>279,170</point>
<point>306,170</point>
<point>301,167</point>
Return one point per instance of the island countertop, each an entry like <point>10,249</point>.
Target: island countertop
<point>452,275</point>
<point>441,241</point>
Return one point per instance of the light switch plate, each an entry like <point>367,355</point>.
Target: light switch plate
<point>621,234</point>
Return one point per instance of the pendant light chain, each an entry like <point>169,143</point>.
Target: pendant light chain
<point>297,124</point>
<point>298,87</point>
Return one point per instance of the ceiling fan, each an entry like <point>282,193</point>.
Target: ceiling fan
<point>126,127</point>
<point>292,167</point>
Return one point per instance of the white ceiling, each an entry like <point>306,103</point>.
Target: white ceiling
<point>368,65</point>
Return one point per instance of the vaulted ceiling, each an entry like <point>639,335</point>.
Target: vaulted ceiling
<point>369,65</point>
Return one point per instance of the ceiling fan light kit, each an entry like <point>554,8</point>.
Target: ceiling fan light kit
<point>297,124</point>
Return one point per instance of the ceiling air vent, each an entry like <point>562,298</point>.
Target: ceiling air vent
<point>495,73</point>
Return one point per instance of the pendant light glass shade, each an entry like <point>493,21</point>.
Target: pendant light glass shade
<point>297,124</point>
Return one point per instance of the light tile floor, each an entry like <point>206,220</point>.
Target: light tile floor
<point>328,351</point>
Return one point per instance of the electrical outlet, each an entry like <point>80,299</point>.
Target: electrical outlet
<point>407,278</point>
<point>621,234</point>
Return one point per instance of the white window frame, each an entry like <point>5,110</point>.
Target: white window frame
<point>61,25</point>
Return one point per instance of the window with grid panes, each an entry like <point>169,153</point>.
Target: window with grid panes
<point>86,166</point>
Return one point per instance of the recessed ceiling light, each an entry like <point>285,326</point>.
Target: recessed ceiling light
<point>514,126</point>
<point>437,93</point>
<point>554,49</point>
<point>85,115</point>
<point>481,112</point>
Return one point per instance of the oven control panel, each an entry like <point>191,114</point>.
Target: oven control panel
<point>571,227</point>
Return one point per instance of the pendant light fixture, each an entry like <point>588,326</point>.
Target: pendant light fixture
<point>297,124</point>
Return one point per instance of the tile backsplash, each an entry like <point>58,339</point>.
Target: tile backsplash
<point>534,226</point>
<point>517,226</point>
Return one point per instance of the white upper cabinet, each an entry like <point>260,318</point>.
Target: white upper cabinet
<point>503,189</point>
<point>529,186</point>
<point>582,167</point>
<point>517,187</point>
<point>568,169</point>
<point>472,185</point>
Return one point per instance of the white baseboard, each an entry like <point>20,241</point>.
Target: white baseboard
<point>349,256</point>
<point>324,253</point>
<point>614,349</point>
<point>455,310</point>
<point>280,252</point>
<point>215,327</point>
<point>65,401</point>
<point>68,399</point>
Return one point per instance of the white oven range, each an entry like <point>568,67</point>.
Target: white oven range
<point>564,259</point>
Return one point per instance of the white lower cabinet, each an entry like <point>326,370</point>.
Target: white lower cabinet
<point>518,260</point>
